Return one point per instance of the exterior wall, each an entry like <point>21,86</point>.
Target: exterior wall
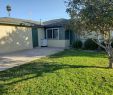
<point>61,42</point>
<point>61,33</point>
<point>58,43</point>
<point>91,35</point>
<point>67,43</point>
<point>40,36</point>
<point>88,35</point>
<point>94,36</point>
<point>14,38</point>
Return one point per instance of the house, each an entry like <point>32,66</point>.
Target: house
<point>19,34</point>
<point>56,33</point>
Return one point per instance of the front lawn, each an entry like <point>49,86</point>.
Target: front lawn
<point>67,73</point>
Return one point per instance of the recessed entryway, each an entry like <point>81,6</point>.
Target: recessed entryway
<point>35,37</point>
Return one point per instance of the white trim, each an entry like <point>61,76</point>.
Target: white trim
<point>69,34</point>
<point>52,33</point>
<point>58,34</point>
<point>46,34</point>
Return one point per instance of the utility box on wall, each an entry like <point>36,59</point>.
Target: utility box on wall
<point>44,43</point>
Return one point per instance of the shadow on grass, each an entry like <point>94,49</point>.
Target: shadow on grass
<point>80,53</point>
<point>37,69</point>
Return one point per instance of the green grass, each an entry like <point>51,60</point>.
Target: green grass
<point>67,73</point>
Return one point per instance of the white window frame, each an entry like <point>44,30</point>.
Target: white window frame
<point>52,33</point>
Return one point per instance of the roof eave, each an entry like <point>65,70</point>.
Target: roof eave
<point>22,25</point>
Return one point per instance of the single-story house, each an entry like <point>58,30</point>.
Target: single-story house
<point>19,34</point>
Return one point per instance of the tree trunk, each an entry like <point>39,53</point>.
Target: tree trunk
<point>111,62</point>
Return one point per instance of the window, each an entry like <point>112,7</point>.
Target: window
<point>49,34</point>
<point>55,33</point>
<point>67,34</point>
<point>52,33</point>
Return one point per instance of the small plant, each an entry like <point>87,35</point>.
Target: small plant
<point>90,45</point>
<point>77,44</point>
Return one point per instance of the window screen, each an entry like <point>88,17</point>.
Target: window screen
<point>55,33</point>
<point>49,34</point>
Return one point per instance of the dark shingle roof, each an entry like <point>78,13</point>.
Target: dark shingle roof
<point>15,21</point>
<point>55,22</point>
<point>23,22</point>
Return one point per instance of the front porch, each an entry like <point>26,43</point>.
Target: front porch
<point>55,37</point>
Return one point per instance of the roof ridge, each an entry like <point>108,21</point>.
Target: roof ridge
<point>57,19</point>
<point>19,19</point>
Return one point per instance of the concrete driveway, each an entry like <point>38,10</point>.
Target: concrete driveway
<point>18,58</point>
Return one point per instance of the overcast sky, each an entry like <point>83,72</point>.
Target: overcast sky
<point>34,9</point>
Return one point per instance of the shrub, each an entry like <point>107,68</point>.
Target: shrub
<point>77,44</point>
<point>90,45</point>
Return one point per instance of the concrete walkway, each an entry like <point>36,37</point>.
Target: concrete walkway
<point>18,58</point>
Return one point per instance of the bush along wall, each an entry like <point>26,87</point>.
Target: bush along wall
<point>89,44</point>
<point>77,44</point>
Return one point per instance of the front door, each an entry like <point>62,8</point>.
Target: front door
<point>35,37</point>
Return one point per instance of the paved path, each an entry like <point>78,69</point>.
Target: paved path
<point>18,58</point>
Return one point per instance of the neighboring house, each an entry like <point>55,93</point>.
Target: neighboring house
<point>19,34</point>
